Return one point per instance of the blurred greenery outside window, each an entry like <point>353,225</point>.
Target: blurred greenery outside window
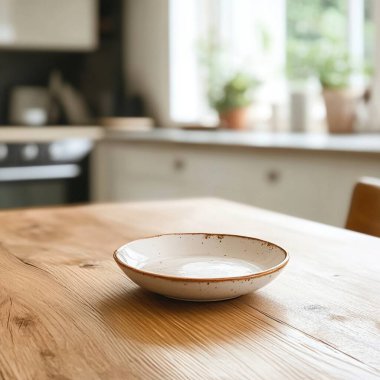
<point>320,28</point>
<point>277,42</point>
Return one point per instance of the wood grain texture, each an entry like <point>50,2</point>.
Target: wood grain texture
<point>68,312</point>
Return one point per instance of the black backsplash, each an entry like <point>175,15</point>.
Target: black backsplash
<point>98,75</point>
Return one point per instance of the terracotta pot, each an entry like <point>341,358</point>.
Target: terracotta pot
<point>235,118</point>
<point>341,109</point>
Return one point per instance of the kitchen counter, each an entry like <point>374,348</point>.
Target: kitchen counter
<point>47,133</point>
<point>362,143</point>
<point>359,143</point>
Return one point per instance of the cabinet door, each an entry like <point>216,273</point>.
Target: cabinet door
<point>48,24</point>
<point>124,171</point>
<point>307,184</point>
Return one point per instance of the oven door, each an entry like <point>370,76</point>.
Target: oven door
<point>40,185</point>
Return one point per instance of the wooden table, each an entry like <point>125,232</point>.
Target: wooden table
<point>68,312</point>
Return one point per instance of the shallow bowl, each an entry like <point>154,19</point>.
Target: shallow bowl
<point>201,267</point>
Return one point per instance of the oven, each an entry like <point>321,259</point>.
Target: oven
<point>39,174</point>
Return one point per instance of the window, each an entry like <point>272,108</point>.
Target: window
<point>276,41</point>
<point>328,24</point>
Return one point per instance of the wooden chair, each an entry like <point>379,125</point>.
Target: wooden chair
<point>364,214</point>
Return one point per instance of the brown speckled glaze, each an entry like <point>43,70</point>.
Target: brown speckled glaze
<point>267,244</point>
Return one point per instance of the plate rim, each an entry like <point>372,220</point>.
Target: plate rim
<point>271,270</point>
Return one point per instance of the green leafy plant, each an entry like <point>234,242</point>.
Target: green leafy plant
<point>335,71</point>
<point>236,92</point>
<point>301,63</point>
<point>225,91</point>
<point>309,37</point>
<point>332,66</point>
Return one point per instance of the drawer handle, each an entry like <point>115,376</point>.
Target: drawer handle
<point>179,164</point>
<point>273,176</point>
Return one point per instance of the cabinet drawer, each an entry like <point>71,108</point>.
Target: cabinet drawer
<point>144,161</point>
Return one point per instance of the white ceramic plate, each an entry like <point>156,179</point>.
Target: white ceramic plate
<point>201,267</point>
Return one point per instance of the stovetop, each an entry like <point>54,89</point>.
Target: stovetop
<point>35,154</point>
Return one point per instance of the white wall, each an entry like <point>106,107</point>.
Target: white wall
<point>146,54</point>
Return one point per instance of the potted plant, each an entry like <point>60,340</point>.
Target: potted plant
<point>340,97</point>
<point>229,92</point>
<point>232,100</point>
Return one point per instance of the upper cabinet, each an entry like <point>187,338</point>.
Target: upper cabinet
<point>69,25</point>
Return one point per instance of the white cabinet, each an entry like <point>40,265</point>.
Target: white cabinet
<point>309,184</point>
<point>48,24</point>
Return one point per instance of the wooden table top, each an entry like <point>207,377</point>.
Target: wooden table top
<point>68,312</point>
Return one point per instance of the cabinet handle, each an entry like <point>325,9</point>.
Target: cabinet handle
<point>273,176</point>
<point>179,164</point>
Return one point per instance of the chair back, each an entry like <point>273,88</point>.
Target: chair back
<point>364,213</point>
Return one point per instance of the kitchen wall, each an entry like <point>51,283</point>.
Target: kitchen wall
<point>96,73</point>
<point>32,68</point>
<point>146,55</point>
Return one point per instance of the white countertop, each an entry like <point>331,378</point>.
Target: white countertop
<point>361,143</point>
<point>46,134</point>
